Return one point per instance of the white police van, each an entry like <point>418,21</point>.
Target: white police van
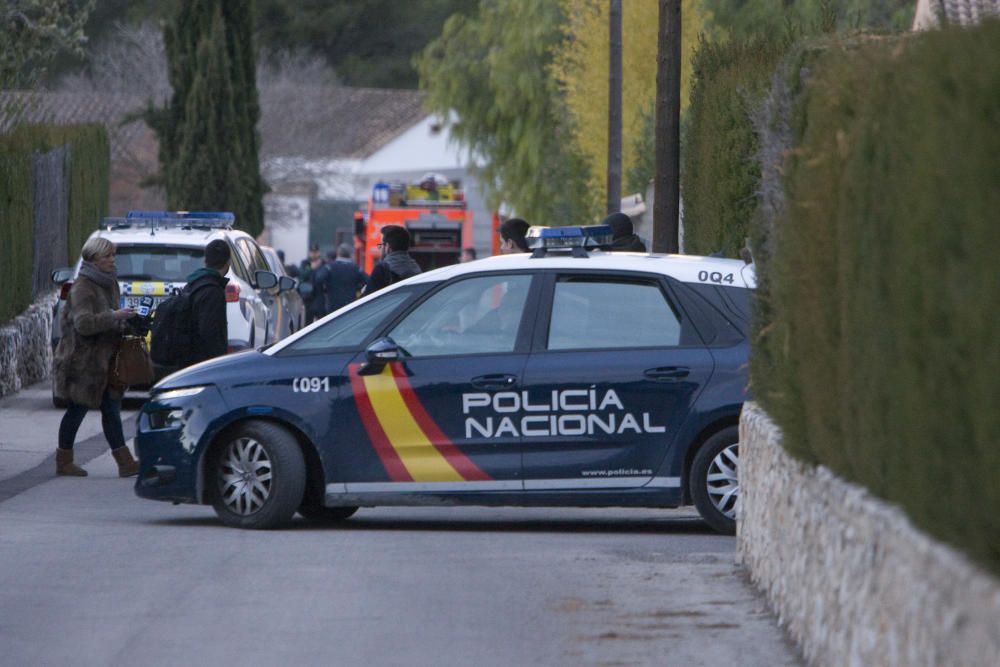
<point>157,250</point>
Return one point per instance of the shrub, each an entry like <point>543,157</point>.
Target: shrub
<point>882,361</point>
<point>88,171</point>
<point>720,173</point>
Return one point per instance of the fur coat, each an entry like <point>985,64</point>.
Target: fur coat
<point>90,337</point>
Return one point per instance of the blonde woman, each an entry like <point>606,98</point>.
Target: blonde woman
<point>91,326</point>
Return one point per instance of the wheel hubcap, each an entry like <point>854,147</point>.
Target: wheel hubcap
<point>723,483</point>
<point>244,476</point>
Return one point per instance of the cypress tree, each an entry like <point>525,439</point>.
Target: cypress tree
<point>208,133</point>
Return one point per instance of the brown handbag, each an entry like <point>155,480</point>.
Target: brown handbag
<point>130,364</point>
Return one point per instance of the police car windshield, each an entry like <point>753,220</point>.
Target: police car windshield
<point>161,263</point>
<point>352,328</point>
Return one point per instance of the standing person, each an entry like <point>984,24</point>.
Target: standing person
<point>91,326</point>
<point>340,281</point>
<point>307,274</point>
<point>623,237</point>
<point>468,254</point>
<point>396,263</point>
<point>207,287</point>
<point>512,236</point>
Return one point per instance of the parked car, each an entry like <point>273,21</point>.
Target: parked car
<point>564,378</point>
<point>290,309</point>
<point>157,250</point>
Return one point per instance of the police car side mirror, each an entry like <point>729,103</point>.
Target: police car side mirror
<point>285,283</point>
<point>265,279</point>
<point>379,353</point>
<point>59,276</point>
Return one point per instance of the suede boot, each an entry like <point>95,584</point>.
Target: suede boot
<point>65,465</point>
<point>127,466</point>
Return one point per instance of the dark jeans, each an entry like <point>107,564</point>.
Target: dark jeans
<point>111,420</point>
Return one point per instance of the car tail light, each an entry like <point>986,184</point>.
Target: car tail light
<point>232,293</point>
<point>64,290</point>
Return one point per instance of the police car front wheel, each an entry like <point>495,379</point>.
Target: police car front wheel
<point>714,481</point>
<point>259,476</point>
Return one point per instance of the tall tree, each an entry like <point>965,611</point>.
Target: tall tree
<point>208,133</point>
<point>581,67</point>
<point>489,77</point>
<point>32,32</point>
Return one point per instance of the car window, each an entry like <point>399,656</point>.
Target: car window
<point>160,263</point>
<point>470,316</point>
<point>238,261</point>
<point>246,255</point>
<point>256,256</point>
<point>606,313</point>
<point>352,328</point>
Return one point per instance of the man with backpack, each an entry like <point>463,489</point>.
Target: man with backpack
<point>191,326</point>
<point>396,262</point>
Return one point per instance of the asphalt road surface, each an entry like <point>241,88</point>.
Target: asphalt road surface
<point>93,575</point>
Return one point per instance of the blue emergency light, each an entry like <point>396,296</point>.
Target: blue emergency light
<point>225,216</point>
<point>577,239</point>
<point>205,220</point>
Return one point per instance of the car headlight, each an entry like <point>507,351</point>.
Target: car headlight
<point>179,393</point>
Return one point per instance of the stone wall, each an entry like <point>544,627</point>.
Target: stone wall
<point>852,581</point>
<point>25,347</point>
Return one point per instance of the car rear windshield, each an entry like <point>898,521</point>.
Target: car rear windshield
<point>166,263</point>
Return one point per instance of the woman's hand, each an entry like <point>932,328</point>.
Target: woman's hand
<point>123,313</point>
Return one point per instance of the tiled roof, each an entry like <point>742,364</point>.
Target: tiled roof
<point>304,121</point>
<point>334,121</point>
<point>933,13</point>
<point>70,108</point>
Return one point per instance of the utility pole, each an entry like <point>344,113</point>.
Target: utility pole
<point>667,182</point>
<point>615,108</point>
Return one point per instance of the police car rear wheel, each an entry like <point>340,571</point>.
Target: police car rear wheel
<point>327,514</point>
<point>714,480</point>
<point>260,477</point>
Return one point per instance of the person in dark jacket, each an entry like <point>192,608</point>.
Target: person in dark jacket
<point>396,262</point>
<point>92,329</point>
<point>512,236</point>
<point>207,286</point>
<point>623,234</point>
<point>307,284</point>
<point>339,281</point>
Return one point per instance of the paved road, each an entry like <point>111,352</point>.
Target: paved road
<point>93,575</point>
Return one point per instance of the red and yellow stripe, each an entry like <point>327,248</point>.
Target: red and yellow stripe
<point>410,444</point>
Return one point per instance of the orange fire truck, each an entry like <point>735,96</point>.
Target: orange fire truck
<point>433,211</point>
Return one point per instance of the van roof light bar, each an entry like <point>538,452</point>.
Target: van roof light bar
<point>181,219</point>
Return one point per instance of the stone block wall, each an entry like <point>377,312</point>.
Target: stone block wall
<point>25,347</point>
<point>852,581</point>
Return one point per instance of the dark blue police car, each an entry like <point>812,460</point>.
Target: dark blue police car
<point>569,377</point>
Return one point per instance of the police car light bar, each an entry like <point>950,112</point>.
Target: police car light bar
<point>575,239</point>
<point>188,219</point>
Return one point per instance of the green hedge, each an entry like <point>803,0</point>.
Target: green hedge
<point>720,172</point>
<point>881,359</point>
<point>89,172</point>
<point>89,175</point>
<point>15,228</point>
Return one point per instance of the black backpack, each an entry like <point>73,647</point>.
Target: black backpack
<point>172,343</point>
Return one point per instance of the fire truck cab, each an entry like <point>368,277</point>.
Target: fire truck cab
<point>435,213</point>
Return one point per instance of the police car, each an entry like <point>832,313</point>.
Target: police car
<point>568,377</point>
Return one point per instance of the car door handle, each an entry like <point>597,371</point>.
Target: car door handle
<point>667,373</point>
<point>494,381</point>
